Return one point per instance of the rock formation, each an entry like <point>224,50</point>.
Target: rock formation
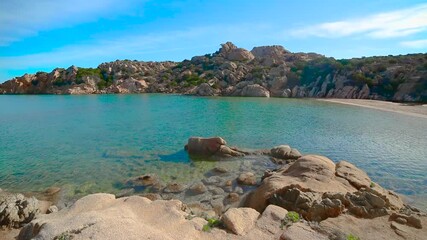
<point>211,147</point>
<point>318,189</point>
<point>102,216</point>
<point>305,197</point>
<point>16,210</point>
<point>268,71</point>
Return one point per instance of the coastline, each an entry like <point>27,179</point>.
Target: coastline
<point>401,108</point>
<point>280,204</point>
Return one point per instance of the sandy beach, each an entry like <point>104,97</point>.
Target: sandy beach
<point>402,108</point>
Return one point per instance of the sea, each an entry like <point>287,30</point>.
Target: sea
<point>94,143</point>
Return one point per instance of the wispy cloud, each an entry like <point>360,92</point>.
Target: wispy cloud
<point>383,25</point>
<point>133,46</point>
<point>415,44</point>
<point>23,18</point>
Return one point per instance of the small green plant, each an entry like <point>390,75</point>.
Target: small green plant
<point>192,80</point>
<point>291,217</point>
<point>352,237</point>
<point>372,184</point>
<point>212,222</point>
<point>64,236</point>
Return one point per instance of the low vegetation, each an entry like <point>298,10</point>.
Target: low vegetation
<point>291,217</point>
<point>212,222</point>
<point>352,237</point>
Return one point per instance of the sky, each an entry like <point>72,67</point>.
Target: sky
<point>44,34</point>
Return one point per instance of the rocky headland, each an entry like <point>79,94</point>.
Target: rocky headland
<point>268,71</point>
<point>292,196</point>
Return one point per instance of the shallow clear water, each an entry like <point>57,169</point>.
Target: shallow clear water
<point>94,143</point>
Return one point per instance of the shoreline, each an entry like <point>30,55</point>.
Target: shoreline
<point>311,188</point>
<point>401,108</point>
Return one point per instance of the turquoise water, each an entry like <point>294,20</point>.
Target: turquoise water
<point>94,143</point>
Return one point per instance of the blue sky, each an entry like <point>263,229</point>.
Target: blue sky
<point>44,34</point>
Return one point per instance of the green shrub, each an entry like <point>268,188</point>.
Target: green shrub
<point>360,78</point>
<point>192,80</point>
<point>59,82</point>
<point>212,222</point>
<point>352,237</point>
<point>81,72</point>
<point>173,84</point>
<point>106,79</point>
<point>102,84</point>
<point>380,68</point>
<point>291,217</point>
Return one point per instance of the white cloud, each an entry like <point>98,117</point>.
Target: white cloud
<point>133,45</point>
<point>383,25</point>
<point>415,44</point>
<point>23,18</point>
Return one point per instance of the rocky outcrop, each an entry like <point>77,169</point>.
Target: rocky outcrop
<point>254,90</point>
<point>309,198</point>
<point>302,231</point>
<point>230,52</point>
<point>232,71</point>
<point>211,147</point>
<point>203,89</point>
<point>285,152</point>
<point>102,216</point>
<point>318,189</point>
<point>16,210</point>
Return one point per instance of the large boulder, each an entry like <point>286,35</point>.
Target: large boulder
<point>215,146</point>
<point>230,52</point>
<point>302,231</point>
<point>270,55</point>
<point>204,89</point>
<point>275,51</point>
<point>278,85</point>
<point>101,216</point>
<point>272,218</point>
<point>371,229</point>
<point>254,90</point>
<point>355,176</point>
<point>204,146</point>
<point>240,220</point>
<point>318,189</point>
<point>285,152</point>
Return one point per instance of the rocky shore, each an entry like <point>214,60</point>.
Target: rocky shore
<point>293,196</point>
<point>267,71</point>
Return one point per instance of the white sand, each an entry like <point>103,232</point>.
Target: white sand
<point>402,108</point>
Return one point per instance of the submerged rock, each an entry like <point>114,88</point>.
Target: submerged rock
<point>247,178</point>
<point>336,199</point>
<point>174,188</point>
<point>143,180</point>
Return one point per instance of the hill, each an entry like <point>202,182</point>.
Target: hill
<point>268,71</point>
